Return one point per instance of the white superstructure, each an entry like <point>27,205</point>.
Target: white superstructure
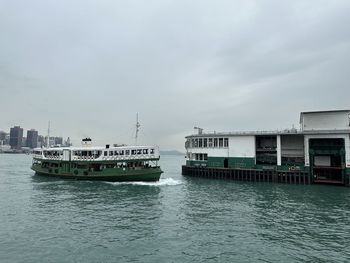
<point>90,153</point>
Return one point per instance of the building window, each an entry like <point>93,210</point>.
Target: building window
<point>210,142</point>
<point>221,142</point>
<point>215,142</point>
<point>201,156</point>
<point>226,142</point>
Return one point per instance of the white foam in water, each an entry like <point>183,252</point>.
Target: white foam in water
<point>161,182</point>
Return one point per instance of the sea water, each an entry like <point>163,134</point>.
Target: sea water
<point>177,219</point>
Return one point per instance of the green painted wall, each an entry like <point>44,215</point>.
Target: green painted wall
<point>216,161</point>
<point>246,163</point>
<point>233,162</point>
<point>241,162</point>
<point>296,167</point>
<point>196,163</point>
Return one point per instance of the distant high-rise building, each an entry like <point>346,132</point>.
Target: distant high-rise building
<point>52,141</point>
<point>16,135</point>
<point>2,137</point>
<point>32,138</point>
<point>24,141</point>
<point>58,141</point>
<point>41,141</point>
<point>7,139</point>
<point>67,142</point>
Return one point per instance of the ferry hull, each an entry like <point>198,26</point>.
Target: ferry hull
<point>146,175</point>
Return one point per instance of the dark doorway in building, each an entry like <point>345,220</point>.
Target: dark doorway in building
<point>327,160</point>
<point>225,163</point>
<point>266,150</point>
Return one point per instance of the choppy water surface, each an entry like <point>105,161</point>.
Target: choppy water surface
<point>174,220</point>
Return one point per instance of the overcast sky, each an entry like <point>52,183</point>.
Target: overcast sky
<point>90,66</point>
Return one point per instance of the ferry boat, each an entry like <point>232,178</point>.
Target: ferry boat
<point>110,163</point>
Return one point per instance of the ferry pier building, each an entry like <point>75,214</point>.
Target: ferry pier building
<point>319,152</point>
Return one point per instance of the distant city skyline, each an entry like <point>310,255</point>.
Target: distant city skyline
<point>90,66</point>
<point>16,140</point>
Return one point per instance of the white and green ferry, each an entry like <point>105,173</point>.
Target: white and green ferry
<point>110,163</point>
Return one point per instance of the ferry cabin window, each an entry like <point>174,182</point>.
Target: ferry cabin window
<point>127,152</point>
<point>210,142</point>
<point>226,142</point>
<point>139,151</point>
<point>201,156</point>
<point>133,152</point>
<point>145,151</point>
<point>200,143</point>
<point>105,153</point>
<point>111,153</point>
<point>187,143</point>
<point>215,142</point>
<point>221,142</point>
<point>121,152</point>
<point>116,153</point>
<point>97,154</point>
<point>195,143</point>
<point>151,151</point>
<point>205,142</point>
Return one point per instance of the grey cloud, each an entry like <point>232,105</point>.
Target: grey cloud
<point>89,66</point>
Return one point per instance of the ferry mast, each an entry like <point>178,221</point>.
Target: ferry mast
<point>48,136</point>
<point>138,125</point>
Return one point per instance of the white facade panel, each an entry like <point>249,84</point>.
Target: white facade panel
<point>279,150</point>
<point>325,121</point>
<point>66,155</point>
<point>242,146</point>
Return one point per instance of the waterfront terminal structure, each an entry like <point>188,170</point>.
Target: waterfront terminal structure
<point>318,152</point>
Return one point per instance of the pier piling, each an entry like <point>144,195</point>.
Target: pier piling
<point>249,175</point>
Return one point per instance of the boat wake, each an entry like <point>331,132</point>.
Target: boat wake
<point>161,182</point>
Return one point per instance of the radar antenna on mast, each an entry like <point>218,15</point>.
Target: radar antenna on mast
<point>138,125</point>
